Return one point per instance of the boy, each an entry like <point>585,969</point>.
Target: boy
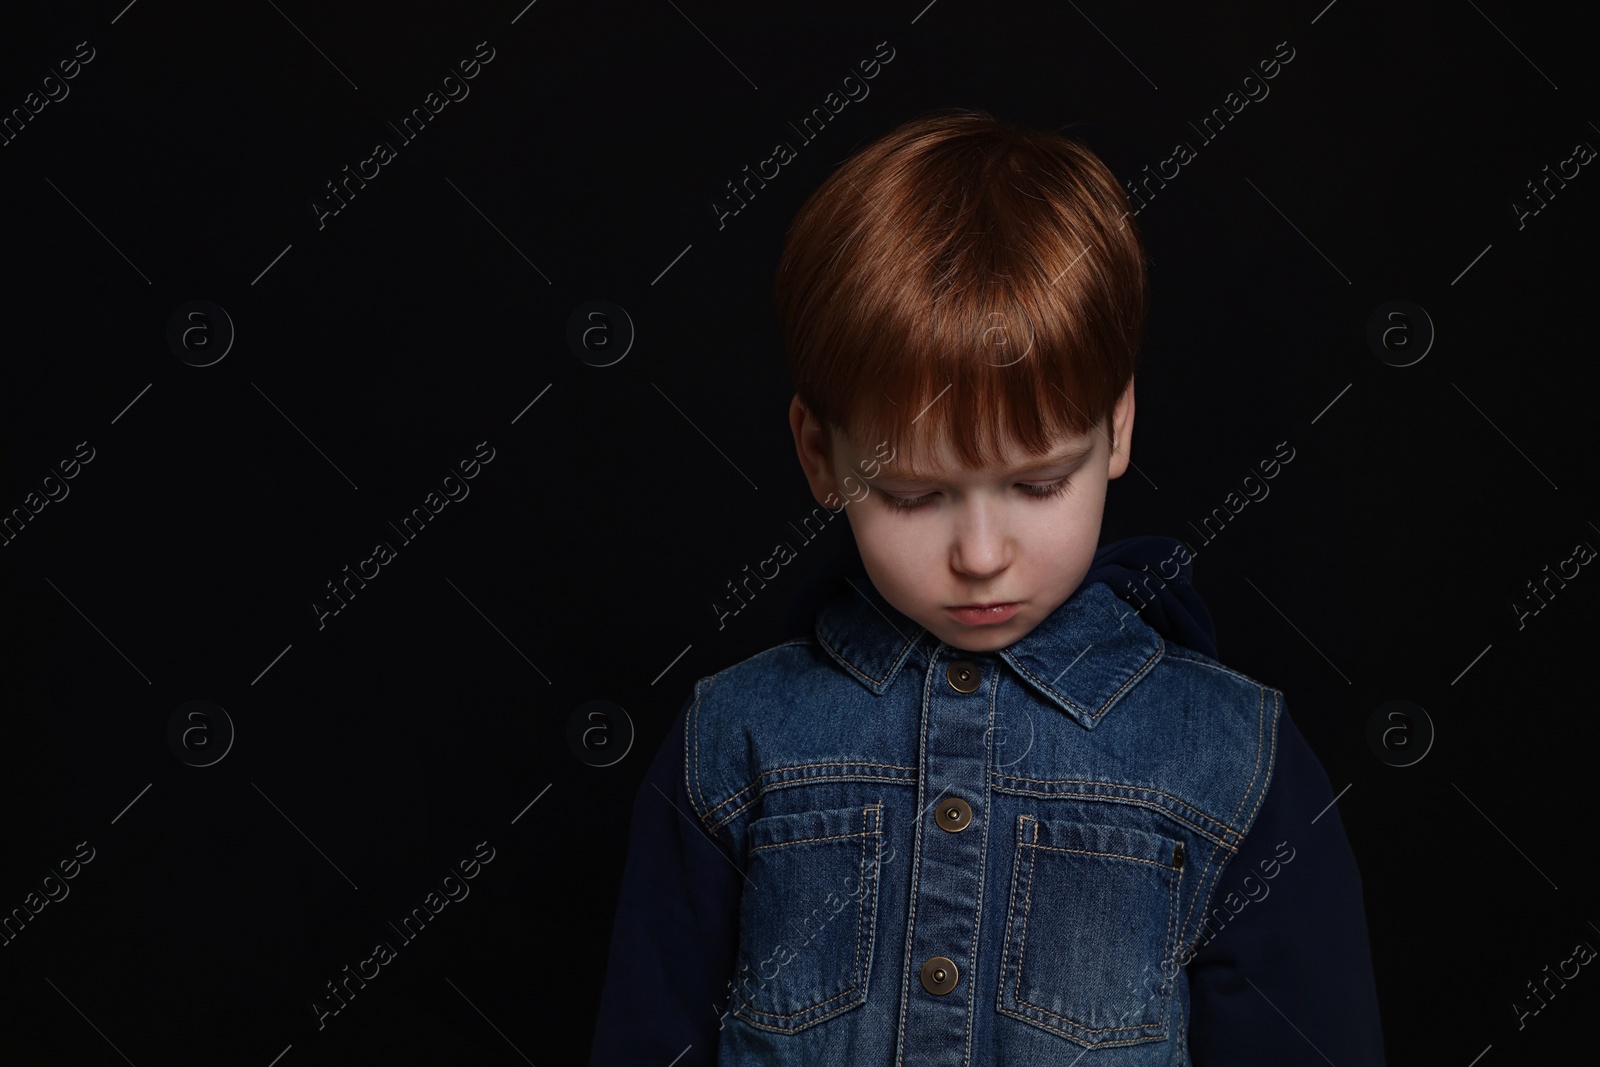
<point>999,803</point>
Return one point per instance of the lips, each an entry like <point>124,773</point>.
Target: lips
<point>985,615</point>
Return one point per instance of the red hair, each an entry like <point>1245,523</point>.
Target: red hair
<point>962,275</point>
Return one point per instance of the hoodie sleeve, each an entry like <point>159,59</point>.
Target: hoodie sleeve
<point>671,960</point>
<point>1286,977</point>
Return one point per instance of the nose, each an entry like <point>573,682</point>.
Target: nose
<point>982,541</point>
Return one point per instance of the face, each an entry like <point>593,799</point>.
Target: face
<point>935,536</point>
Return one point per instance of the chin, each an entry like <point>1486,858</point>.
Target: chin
<point>992,640</point>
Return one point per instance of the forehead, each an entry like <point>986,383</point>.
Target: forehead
<point>898,463</point>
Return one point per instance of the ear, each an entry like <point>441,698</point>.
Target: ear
<point>1121,433</point>
<point>813,445</point>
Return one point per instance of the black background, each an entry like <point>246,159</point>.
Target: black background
<point>376,352</point>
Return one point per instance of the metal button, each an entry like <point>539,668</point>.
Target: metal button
<point>963,675</point>
<point>939,975</point>
<point>954,814</point>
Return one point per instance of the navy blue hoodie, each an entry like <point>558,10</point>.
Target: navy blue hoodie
<point>1284,977</point>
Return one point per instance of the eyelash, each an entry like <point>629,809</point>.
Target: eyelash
<point>896,504</point>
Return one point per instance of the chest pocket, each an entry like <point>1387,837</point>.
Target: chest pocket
<point>1091,931</point>
<point>808,915</point>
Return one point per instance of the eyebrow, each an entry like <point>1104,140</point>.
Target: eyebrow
<point>1066,455</point>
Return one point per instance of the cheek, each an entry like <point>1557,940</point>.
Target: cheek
<point>1064,540</point>
<point>893,553</point>
<point>1082,515</point>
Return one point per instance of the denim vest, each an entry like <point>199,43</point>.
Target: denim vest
<point>973,858</point>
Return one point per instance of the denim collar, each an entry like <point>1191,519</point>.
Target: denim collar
<point>1083,657</point>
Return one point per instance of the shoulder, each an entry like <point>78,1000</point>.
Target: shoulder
<point>762,667</point>
<point>1230,722</point>
<point>767,687</point>
<point>1239,698</point>
<point>749,707</point>
<point>1201,666</point>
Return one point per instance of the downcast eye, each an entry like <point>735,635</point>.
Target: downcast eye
<point>1035,492</point>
